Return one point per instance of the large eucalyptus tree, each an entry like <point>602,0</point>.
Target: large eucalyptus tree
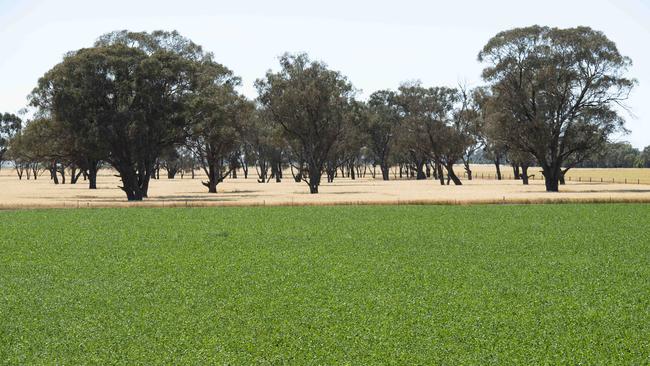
<point>310,102</point>
<point>558,90</point>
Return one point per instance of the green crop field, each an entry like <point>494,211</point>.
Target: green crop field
<point>560,284</point>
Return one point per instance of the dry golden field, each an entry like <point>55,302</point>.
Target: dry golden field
<point>189,192</point>
<point>606,175</point>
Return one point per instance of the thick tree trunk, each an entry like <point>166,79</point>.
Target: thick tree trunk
<point>524,174</point>
<point>452,175</point>
<point>92,175</point>
<point>552,177</point>
<point>144,182</point>
<point>53,174</point>
<point>314,179</point>
<point>420,170</point>
<point>130,186</point>
<point>214,176</point>
<point>385,170</point>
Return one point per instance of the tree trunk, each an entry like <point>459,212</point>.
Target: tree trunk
<point>524,174</point>
<point>213,172</point>
<point>441,175</point>
<point>468,170</point>
<point>297,177</point>
<point>551,177</point>
<point>92,175</point>
<point>314,178</point>
<point>53,174</point>
<point>562,175</point>
<point>451,175</point>
<point>515,170</point>
<point>497,164</point>
<point>385,170</point>
<point>130,185</point>
<point>420,170</point>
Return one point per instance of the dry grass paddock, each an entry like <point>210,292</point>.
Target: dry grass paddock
<point>42,193</point>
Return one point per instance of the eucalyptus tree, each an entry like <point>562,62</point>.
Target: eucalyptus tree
<point>310,102</point>
<point>468,123</point>
<point>429,116</point>
<point>262,138</point>
<point>381,127</point>
<point>347,150</point>
<point>560,90</point>
<point>10,125</point>
<point>215,113</point>
<point>126,97</point>
<point>39,146</point>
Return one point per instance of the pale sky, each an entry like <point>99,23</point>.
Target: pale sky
<point>376,44</point>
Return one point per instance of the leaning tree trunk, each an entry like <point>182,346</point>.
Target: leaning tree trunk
<point>297,177</point>
<point>515,171</point>
<point>497,164</point>
<point>452,175</point>
<point>468,170</point>
<point>385,170</point>
<point>53,174</point>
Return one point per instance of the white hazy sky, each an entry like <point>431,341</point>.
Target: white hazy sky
<point>377,44</point>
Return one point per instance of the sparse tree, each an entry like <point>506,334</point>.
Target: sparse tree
<point>382,125</point>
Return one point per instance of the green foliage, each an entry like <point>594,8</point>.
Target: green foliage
<point>310,102</point>
<point>556,92</point>
<point>124,99</point>
<point>541,284</point>
<point>10,125</point>
<point>215,114</point>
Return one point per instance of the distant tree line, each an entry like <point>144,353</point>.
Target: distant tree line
<point>142,102</point>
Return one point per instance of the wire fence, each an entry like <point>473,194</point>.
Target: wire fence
<point>569,178</point>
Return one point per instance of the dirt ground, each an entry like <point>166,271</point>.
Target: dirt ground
<point>42,193</point>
